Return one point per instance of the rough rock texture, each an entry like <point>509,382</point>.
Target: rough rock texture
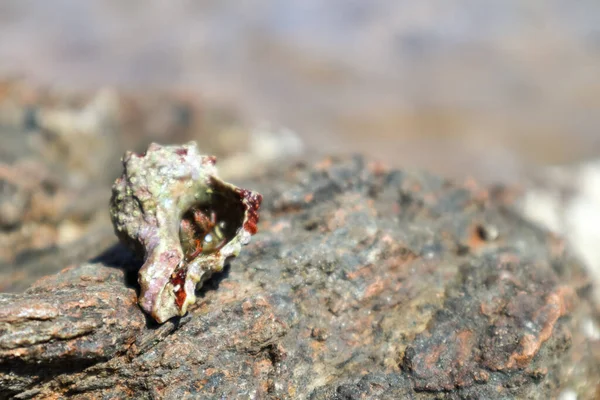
<point>59,156</point>
<point>565,199</point>
<point>362,284</point>
<point>56,163</point>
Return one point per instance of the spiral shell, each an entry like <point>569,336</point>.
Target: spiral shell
<point>171,208</point>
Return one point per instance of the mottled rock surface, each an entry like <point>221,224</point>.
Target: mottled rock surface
<point>362,283</point>
<point>59,156</point>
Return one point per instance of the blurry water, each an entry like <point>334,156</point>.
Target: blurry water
<point>480,87</point>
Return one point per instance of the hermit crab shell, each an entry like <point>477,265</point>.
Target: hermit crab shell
<point>172,209</point>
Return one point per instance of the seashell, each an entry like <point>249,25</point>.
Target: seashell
<point>170,207</point>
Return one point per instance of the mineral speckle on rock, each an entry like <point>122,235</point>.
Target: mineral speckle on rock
<point>364,283</point>
<point>170,207</point>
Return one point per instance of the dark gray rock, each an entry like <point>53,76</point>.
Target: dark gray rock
<point>362,283</point>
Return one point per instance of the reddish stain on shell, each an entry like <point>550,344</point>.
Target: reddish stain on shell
<point>178,282</point>
<point>252,201</point>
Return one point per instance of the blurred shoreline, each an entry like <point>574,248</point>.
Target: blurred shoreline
<point>484,89</point>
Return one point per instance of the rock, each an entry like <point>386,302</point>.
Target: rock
<point>59,157</point>
<point>56,163</point>
<point>362,283</point>
<point>566,201</point>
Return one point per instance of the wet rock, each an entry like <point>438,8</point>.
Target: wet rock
<point>362,283</point>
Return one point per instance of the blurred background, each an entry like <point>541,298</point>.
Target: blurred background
<point>503,91</point>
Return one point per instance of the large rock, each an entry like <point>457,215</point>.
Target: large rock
<point>362,283</point>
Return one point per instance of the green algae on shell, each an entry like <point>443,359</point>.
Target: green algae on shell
<point>173,210</point>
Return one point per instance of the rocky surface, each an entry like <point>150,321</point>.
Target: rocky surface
<point>362,283</point>
<point>565,199</point>
<point>60,154</point>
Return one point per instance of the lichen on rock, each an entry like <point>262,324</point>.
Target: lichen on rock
<point>171,208</point>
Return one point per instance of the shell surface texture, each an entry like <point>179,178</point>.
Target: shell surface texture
<point>170,207</point>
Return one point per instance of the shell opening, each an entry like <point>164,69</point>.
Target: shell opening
<point>206,227</point>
